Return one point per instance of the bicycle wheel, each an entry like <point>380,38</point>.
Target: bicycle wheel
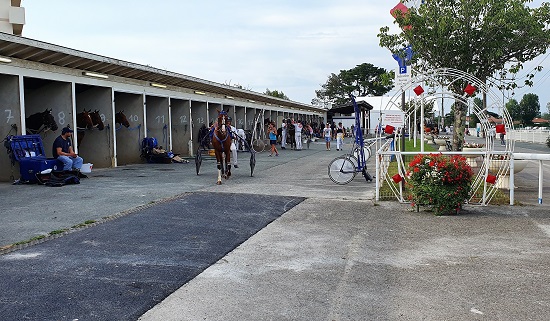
<point>353,159</point>
<point>341,170</point>
<point>258,145</point>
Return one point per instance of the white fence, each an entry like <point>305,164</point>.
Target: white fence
<point>529,135</point>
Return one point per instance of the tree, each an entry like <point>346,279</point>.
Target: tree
<point>479,37</point>
<point>514,110</point>
<point>530,108</point>
<point>363,80</point>
<point>473,117</point>
<point>275,93</point>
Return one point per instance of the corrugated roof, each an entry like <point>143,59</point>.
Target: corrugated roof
<point>37,51</point>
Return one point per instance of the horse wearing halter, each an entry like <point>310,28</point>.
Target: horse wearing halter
<point>220,137</point>
<point>221,128</point>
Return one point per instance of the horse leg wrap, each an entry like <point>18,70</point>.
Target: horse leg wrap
<point>219,166</point>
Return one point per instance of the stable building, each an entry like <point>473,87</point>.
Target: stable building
<point>36,76</point>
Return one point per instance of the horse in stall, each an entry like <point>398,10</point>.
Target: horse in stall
<point>88,120</point>
<point>96,119</point>
<point>221,141</point>
<point>120,118</point>
<point>41,121</point>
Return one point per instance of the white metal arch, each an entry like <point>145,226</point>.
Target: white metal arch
<point>437,84</point>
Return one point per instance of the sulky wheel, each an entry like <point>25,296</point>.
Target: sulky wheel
<point>341,170</point>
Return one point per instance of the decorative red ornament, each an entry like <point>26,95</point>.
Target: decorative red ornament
<point>470,90</point>
<point>400,9</point>
<point>389,129</point>
<point>491,179</point>
<point>418,90</point>
<point>500,129</point>
<point>397,178</point>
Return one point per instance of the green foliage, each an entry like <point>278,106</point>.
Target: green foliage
<point>529,107</point>
<point>275,93</point>
<point>479,37</point>
<point>363,80</point>
<point>512,106</point>
<point>440,182</point>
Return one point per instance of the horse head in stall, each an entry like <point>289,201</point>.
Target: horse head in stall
<point>41,121</point>
<point>221,141</point>
<point>120,118</point>
<point>84,120</point>
<point>96,119</point>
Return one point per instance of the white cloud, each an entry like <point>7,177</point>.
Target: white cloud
<point>286,45</point>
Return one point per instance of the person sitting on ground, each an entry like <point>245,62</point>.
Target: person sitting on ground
<point>63,151</point>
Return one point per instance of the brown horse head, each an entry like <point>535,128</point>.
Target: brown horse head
<point>96,119</point>
<point>84,120</point>
<point>222,121</point>
<point>120,118</point>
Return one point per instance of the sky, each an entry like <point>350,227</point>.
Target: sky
<point>291,46</point>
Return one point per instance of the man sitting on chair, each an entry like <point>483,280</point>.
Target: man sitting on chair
<point>63,151</point>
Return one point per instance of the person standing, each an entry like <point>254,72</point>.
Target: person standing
<point>273,139</point>
<point>340,132</point>
<point>283,135</point>
<point>492,134</point>
<point>327,133</point>
<point>233,148</point>
<point>62,149</point>
<point>298,133</point>
<point>502,133</point>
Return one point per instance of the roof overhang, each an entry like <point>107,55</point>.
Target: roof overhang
<point>45,53</point>
<point>349,108</point>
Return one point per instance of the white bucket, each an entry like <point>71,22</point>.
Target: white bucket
<point>86,168</point>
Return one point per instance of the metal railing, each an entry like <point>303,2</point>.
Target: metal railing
<point>482,192</point>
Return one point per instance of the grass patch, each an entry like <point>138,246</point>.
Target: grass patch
<point>56,232</point>
<point>36,238</point>
<point>88,222</point>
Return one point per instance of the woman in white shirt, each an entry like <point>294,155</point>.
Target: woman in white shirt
<point>327,133</point>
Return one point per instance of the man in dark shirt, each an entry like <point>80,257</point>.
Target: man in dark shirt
<point>63,151</point>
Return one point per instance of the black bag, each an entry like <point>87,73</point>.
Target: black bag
<point>58,179</point>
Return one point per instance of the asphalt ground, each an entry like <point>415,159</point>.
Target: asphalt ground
<point>337,255</point>
<point>120,269</point>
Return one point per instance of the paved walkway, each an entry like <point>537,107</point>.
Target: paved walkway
<point>338,255</point>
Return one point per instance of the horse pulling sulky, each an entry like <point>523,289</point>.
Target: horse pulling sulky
<point>221,139</point>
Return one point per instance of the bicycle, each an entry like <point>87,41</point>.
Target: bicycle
<point>343,169</point>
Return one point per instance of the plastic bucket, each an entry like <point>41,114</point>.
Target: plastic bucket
<point>86,168</point>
